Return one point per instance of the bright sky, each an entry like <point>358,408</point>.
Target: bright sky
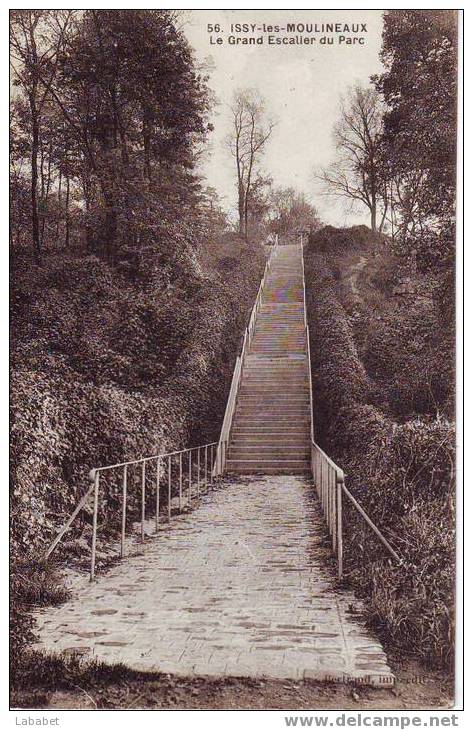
<point>301,84</point>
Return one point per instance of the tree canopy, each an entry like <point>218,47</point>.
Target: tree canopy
<point>116,111</point>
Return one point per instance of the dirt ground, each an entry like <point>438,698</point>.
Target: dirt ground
<point>415,688</point>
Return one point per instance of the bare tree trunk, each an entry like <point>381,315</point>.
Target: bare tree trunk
<point>45,190</point>
<point>373,218</point>
<point>34,181</point>
<point>66,240</point>
<point>241,209</point>
<point>246,218</point>
<point>59,193</point>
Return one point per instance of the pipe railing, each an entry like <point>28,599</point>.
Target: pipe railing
<point>329,481</point>
<point>219,467</point>
<point>309,366</point>
<point>189,472</point>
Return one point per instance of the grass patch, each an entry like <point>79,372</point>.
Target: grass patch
<point>37,582</point>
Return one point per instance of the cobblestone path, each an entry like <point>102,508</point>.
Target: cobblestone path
<point>244,586</point>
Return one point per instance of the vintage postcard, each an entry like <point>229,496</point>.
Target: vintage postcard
<point>232,257</point>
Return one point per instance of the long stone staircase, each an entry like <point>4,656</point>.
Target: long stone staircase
<point>245,585</point>
<point>270,432</point>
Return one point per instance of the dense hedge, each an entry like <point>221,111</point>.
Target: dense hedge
<point>107,368</point>
<point>401,472</point>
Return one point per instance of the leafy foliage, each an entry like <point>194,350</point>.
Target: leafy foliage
<point>105,368</point>
<point>419,88</point>
<point>401,471</point>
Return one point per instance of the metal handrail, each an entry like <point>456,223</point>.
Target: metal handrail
<point>219,467</point>
<point>206,458</point>
<point>309,366</point>
<point>329,480</point>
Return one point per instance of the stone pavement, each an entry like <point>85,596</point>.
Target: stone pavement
<point>243,586</point>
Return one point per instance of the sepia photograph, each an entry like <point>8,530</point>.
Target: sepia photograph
<point>233,248</point>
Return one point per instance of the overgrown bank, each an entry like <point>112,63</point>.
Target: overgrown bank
<point>382,397</point>
<point>108,367</point>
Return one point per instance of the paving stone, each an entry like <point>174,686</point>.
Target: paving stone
<point>244,585</point>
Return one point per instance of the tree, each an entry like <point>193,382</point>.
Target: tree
<point>250,133</point>
<point>358,173</point>
<point>37,38</point>
<point>291,213</point>
<point>130,94</point>
<point>419,89</point>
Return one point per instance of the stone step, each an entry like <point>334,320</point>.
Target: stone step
<point>256,404</point>
<point>274,414</point>
<point>277,383</point>
<point>245,426</point>
<point>278,348</point>
<point>286,337</point>
<point>287,429</point>
<point>281,461</point>
<point>257,398</point>
<point>273,417</point>
<point>283,390</point>
<point>239,466</point>
<point>292,363</point>
<point>265,432</point>
<point>274,443</point>
<point>274,352</point>
<point>281,308</point>
<point>275,376</point>
<point>276,313</point>
<point>274,320</point>
<point>286,374</point>
<point>265,452</point>
<point>296,328</point>
<point>285,333</point>
<point>280,344</point>
<point>288,340</point>
<point>269,366</point>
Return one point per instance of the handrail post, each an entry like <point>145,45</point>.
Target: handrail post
<point>158,481</point>
<point>94,524</point>
<point>169,486</point>
<point>143,499</point>
<point>124,497</point>
<point>212,449</point>
<point>205,467</point>
<point>190,476</point>
<point>334,511</point>
<point>198,471</point>
<point>340,482</point>
<point>180,482</point>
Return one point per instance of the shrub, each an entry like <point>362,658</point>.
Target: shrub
<point>401,473</point>
<point>105,368</point>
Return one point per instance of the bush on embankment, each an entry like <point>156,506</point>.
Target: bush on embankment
<point>108,367</point>
<point>402,473</point>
